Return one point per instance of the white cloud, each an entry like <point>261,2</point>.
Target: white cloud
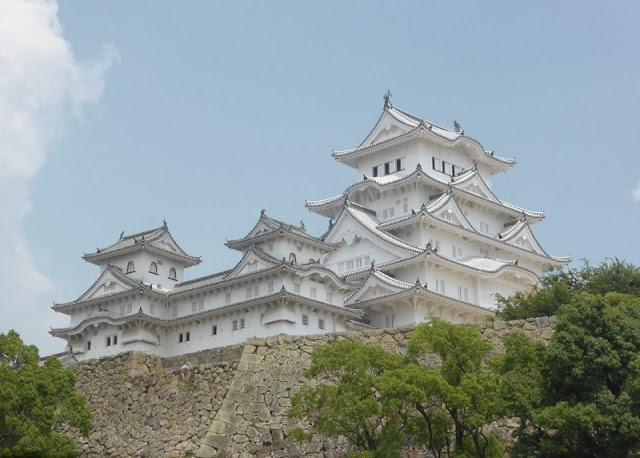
<point>636,193</point>
<point>42,87</point>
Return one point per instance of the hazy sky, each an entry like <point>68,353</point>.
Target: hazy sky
<point>117,115</point>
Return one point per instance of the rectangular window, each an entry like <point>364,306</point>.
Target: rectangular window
<point>241,323</point>
<point>88,345</point>
<point>349,265</point>
<point>459,292</point>
<point>271,247</point>
<point>367,260</point>
<point>194,306</point>
<point>108,341</point>
<point>392,212</point>
<point>375,171</point>
<point>187,337</point>
<point>387,321</point>
<point>129,308</point>
<point>249,291</point>
<point>484,252</point>
<point>398,164</point>
<point>115,340</point>
<point>465,294</point>
<point>201,304</point>
<point>305,320</point>
<point>320,323</point>
<point>214,330</point>
<point>405,208</point>
<point>122,310</point>
<point>387,167</point>
<point>359,262</point>
<point>256,290</point>
<point>385,213</point>
<point>341,267</point>
<point>180,338</point>
<point>234,325</point>
<point>436,164</point>
<point>312,292</point>
<point>270,287</point>
<point>408,233</point>
<point>296,287</point>
<point>227,297</point>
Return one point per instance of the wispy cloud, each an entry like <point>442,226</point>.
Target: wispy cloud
<point>636,193</point>
<point>42,88</point>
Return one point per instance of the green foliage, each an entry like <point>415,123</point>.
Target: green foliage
<point>558,288</point>
<point>382,402</point>
<point>579,396</point>
<point>34,400</point>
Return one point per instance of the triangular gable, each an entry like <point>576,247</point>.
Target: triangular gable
<point>349,228</point>
<point>377,284</point>
<point>474,184</point>
<point>167,243</point>
<point>109,282</point>
<point>447,209</point>
<point>387,127</point>
<point>521,236</point>
<point>251,262</point>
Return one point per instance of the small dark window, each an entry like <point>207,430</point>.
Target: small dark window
<point>115,340</point>
<point>153,268</point>
<point>214,330</point>
<point>181,338</point>
<point>131,267</point>
<point>387,166</point>
<point>108,341</point>
<point>398,164</point>
<point>172,274</point>
<point>241,323</point>
<point>88,345</point>
<point>375,171</point>
<point>187,337</point>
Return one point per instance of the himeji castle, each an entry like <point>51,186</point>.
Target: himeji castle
<point>419,234</point>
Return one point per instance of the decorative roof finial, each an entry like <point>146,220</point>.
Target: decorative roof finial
<point>262,212</point>
<point>302,225</point>
<point>121,234</point>
<point>373,266</point>
<point>418,282</point>
<point>164,223</point>
<point>387,101</point>
<point>456,126</point>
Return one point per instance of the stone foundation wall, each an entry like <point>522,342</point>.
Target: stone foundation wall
<point>226,402</point>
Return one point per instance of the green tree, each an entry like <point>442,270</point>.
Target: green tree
<point>580,396</point>
<point>382,402</point>
<point>35,399</point>
<point>558,288</point>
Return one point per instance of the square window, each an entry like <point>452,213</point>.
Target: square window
<point>305,320</point>
<point>214,330</point>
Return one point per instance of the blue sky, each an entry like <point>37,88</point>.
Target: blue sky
<point>204,113</point>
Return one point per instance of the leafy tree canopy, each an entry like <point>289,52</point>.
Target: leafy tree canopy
<point>558,288</point>
<point>382,402</point>
<point>34,399</point>
<point>580,396</point>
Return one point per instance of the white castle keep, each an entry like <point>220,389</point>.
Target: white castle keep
<point>419,234</point>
